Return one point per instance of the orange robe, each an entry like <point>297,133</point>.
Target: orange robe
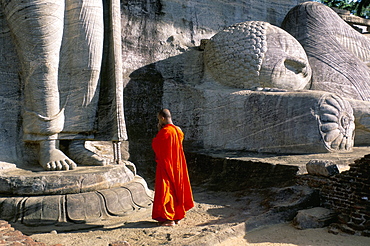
<point>173,195</point>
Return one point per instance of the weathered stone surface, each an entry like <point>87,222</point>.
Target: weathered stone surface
<point>81,208</point>
<point>248,55</point>
<point>317,217</point>
<point>168,28</point>
<point>40,101</point>
<point>224,118</point>
<point>4,165</point>
<point>292,198</point>
<point>9,207</point>
<point>118,201</point>
<point>362,121</point>
<point>310,24</point>
<point>83,179</point>
<point>10,96</point>
<point>241,170</point>
<point>322,167</point>
<point>339,60</point>
<point>227,172</point>
<point>266,120</point>
<point>85,207</point>
<point>42,209</point>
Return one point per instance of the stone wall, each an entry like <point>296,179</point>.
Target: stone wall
<point>348,194</point>
<point>233,174</point>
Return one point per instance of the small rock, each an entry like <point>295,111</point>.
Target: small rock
<point>366,233</point>
<point>333,230</point>
<point>322,168</point>
<point>119,243</point>
<point>347,229</point>
<point>314,218</point>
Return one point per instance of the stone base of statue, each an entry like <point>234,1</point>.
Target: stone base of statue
<point>86,196</point>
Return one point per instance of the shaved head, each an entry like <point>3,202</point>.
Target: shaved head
<point>165,113</point>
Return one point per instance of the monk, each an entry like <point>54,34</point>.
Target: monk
<point>173,194</point>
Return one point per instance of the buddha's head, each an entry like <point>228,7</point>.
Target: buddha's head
<point>257,54</point>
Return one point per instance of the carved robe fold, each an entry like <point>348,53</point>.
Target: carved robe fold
<point>71,68</point>
<point>111,122</point>
<point>173,194</point>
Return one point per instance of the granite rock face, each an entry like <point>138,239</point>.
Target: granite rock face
<point>157,30</point>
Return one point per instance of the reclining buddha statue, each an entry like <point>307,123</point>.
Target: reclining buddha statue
<point>265,89</point>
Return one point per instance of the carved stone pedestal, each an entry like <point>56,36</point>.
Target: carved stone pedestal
<point>79,198</point>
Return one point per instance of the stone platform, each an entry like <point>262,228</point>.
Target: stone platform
<point>84,197</point>
<point>240,170</point>
<point>36,181</point>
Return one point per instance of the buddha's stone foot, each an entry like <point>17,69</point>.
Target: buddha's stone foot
<point>53,159</point>
<point>336,123</point>
<point>83,156</point>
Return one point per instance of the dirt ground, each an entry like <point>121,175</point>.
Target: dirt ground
<point>286,235</point>
<point>218,218</point>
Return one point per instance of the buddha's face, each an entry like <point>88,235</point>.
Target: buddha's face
<point>285,64</point>
<point>257,54</point>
